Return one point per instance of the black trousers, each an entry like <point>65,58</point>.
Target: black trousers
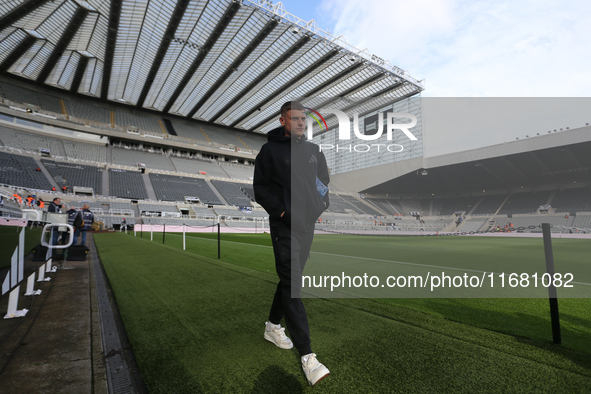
<point>291,252</point>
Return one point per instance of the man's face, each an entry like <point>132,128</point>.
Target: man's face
<point>294,122</point>
<point>58,201</point>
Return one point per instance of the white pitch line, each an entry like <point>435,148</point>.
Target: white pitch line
<point>380,260</point>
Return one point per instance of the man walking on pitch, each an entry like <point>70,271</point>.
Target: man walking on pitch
<point>289,165</point>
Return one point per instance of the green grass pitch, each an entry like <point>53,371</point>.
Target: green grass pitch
<point>195,323</point>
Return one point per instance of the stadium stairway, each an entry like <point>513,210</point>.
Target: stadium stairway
<point>372,206</point>
<point>570,221</point>
<point>109,155</point>
<point>452,227</point>
<point>149,187</point>
<point>105,182</point>
<point>503,203</point>
<point>62,149</point>
<point>225,172</point>
<point>549,202</point>
<point>136,212</point>
<point>45,171</point>
<point>393,207</point>
<point>217,193</point>
<point>474,207</point>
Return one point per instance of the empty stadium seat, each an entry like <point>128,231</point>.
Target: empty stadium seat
<point>29,142</point>
<point>176,188</point>
<point>131,158</point>
<point>127,184</point>
<point>17,170</point>
<point>73,174</point>
<point>232,193</point>
<point>24,95</point>
<point>125,118</point>
<point>86,110</point>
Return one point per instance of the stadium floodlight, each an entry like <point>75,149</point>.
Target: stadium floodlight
<point>294,30</point>
<point>351,58</point>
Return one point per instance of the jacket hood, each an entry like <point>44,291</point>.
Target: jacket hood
<point>278,135</point>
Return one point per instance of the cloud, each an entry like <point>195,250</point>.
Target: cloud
<point>476,48</point>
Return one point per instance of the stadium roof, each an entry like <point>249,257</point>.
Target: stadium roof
<point>223,61</point>
<point>553,160</point>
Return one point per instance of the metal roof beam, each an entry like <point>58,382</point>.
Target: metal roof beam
<point>173,24</point>
<point>17,52</point>
<point>359,86</point>
<point>114,17</point>
<point>291,82</point>
<point>373,96</point>
<point>300,43</point>
<point>378,94</point>
<point>267,29</point>
<point>317,89</point>
<point>20,11</point>
<point>63,43</point>
<point>215,34</point>
<point>79,74</point>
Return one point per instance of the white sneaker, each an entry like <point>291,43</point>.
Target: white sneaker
<point>277,336</point>
<point>313,370</point>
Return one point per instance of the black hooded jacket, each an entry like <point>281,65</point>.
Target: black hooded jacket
<point>287,167</point>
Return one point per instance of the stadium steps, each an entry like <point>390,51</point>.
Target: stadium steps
<point>570,221</point>
<point>63,106</point>
<point>168,159</point>
<point>549,202</point>
<point>393,207</point>
<point>225,172</point>
<point>109,155</point>
<point>45,172</point>
<point>162,126</point>
<point>486,226</point>
<point>243,143</point>
<point>363,201</point>
<point>374,206</point>
<point>61,149</point>
<point>474,207</point>
<point>452,227</point>
<point>149,187</point>
<point>503,203</point>
<point>105,182</point>
<point>205,134</point>
<point>136,212</point>
<point>216,192</point>
<point>347,203</point>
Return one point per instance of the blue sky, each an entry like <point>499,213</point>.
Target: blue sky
<point>475,48</point>
<point>470,48</point>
